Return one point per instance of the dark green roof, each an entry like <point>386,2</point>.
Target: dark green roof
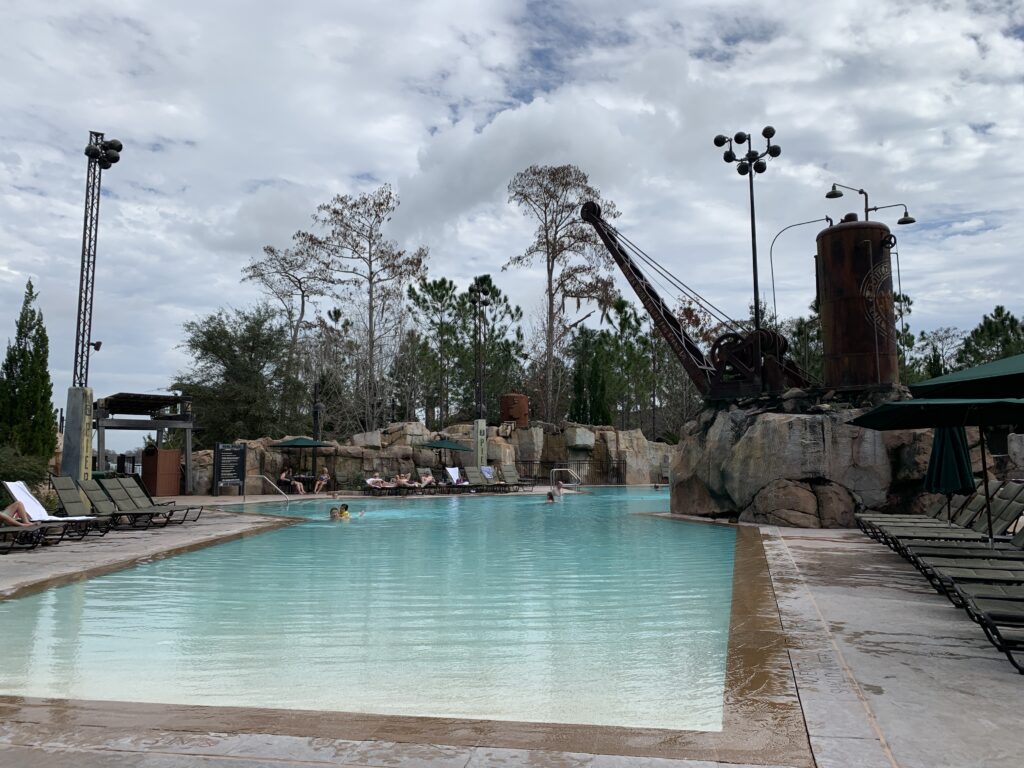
<point>942,412</point>
<point>1000,378</point>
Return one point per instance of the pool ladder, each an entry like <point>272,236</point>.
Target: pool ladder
<point>576,478</point>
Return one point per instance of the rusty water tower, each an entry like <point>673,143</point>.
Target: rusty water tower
<point>856,306</point>
<point>515,407</point>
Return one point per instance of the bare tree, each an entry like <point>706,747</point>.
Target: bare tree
<point>370,273</point>
<point>293,277</point>
<point>576,263</point>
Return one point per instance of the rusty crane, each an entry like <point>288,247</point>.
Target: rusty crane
<point>739,364</point>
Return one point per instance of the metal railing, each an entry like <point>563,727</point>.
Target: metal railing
<point>273,485</point>
<point>589,471</point>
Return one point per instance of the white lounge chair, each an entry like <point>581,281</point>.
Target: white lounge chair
<point>37,514</point>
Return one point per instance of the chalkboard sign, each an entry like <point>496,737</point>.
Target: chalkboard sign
<point>228,466</point>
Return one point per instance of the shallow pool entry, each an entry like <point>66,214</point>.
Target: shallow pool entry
<point>493,607</point>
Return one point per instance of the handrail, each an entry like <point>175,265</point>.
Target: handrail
<point>568,472</point>
<point>273,485</point>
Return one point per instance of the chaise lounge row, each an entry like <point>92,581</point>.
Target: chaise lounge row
<point>955,556</point>
<point>90,507</point>
<point>469,479</point>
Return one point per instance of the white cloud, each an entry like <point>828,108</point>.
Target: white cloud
<point>239,118</point>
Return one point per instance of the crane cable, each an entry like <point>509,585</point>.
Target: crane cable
<point>676,283</point>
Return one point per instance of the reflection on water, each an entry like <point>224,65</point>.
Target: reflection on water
<point>503,608</point>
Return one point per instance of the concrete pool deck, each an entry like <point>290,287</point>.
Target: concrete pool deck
<point>839,655</point>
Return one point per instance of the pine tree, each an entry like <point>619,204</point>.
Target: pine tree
<point>26,391</point>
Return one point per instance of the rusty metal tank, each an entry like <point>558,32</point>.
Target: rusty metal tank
<point>515,408</point>
<point>855,302</point>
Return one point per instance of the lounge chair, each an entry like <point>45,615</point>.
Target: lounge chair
<point>104,505</point>
<point>378,486</point>
<point>73,504</point>
<point>1003,624</point>
<point>54,527</point>
<point>138,493</point>
<point>492,481</point>
<point>511,476</point>
<point>428,482</point>
<point>126,503</point>
<point>20,536</point>
<point>937,511</point>
<point>476,480</point>
<point>1004,514</point>
<point>458,485</point>
<point>1001,550</point>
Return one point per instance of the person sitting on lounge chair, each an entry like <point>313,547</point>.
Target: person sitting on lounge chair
<point>403,481</point>
<point>323,481</point>
<point>16,515</point>
<point>376,481</point>
<point>427,478</point>
<point>287,480</point>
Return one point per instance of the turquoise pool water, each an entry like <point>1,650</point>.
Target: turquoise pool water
<point>483,607</point>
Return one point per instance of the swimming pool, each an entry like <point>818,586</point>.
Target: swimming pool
<point>479,607</point>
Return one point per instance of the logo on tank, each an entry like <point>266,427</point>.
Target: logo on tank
<point>876,289</point>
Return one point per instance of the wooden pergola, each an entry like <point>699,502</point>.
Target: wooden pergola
<point>161,412</point>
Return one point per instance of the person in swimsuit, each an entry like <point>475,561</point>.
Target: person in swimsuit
<point>16,515</point>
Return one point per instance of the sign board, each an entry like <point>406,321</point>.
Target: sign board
<point>480,440</point>
<point>228,467</point>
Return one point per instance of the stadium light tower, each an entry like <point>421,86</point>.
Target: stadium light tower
<point>76,459</point>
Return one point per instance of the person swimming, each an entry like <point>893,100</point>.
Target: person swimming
<point>550,499</point>
<point>341,513</point>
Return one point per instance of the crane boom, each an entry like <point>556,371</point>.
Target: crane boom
<point>697,365</point>
<point>739,365</point>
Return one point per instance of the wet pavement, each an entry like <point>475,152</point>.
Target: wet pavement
<point>889,672</point>
<point>839,655</point>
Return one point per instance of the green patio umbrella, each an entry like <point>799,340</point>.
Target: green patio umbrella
<point>1000,378</point>
<point>949,466</point>
<point>938,412</point>
<point>299,443</point>
<point>444,445</point>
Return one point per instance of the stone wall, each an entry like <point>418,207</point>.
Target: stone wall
<point>808,469</point>
<point>391,450</point>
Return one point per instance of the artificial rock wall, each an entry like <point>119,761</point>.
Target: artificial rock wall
<point>802,465</point>
<point>393,450</point>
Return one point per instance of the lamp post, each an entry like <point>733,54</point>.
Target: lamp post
<point>836,192</point>
<point>906,218</point>
<point>479,297</point>
<point>750,164</point>
<point>76,460</point>
<point>771,257</point>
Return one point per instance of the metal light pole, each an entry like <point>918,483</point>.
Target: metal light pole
<point>771,256</point>
<point>750,164</point>
<point>76,460</point>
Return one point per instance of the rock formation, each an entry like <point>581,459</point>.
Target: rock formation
<point>393,449</point>
<point>809,469</point>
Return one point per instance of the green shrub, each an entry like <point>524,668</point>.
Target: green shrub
<point>30,469</point>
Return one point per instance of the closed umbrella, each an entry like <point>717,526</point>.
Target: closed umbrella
<point>938,412</point>
<point>949,466</point>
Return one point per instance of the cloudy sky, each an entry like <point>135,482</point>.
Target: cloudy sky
<point>238,118</point>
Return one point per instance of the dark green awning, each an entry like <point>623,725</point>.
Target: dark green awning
<point>941,412</point>
<point>1000,378</point>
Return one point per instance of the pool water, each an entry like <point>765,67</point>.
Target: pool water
<point>480,607</point>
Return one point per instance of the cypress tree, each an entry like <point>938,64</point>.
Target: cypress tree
<point>26,392</point>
